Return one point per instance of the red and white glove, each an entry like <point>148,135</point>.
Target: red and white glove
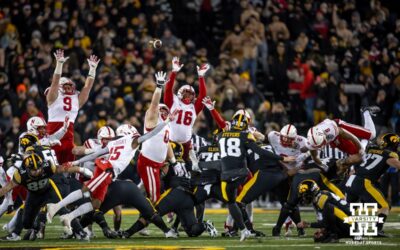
<point>201,71</point>
<point>93,62</point>
<point>208,103</point>
<point>176,66</point>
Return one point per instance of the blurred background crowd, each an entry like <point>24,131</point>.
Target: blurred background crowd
<point>284,60</point>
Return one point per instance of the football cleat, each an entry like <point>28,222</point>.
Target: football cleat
<point>372,109</point>
<point>244,234</point>
<point>110,234</point>
<point>52,209</point>
<point>171,234</point>
<point>11,237</point>
<point>276,232</point>
<point>212,231</point>
<point>144,232</point>
<point>66,221</point>
<point>30,235</point>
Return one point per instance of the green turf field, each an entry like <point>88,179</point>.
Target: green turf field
<point>263,221</point>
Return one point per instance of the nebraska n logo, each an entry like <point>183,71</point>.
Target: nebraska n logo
<point>364,219</point>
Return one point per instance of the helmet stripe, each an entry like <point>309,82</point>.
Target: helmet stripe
<point>34,161</point>
<point>288,130</point>
<point>312,136</point>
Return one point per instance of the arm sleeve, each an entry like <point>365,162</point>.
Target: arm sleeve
<point>58,134</point>
<point>91,157</point>
<point>202,93</point>
<point>262,152</point>
<point>153,132</point>
<point>168,93</point>
<point>218,119</point>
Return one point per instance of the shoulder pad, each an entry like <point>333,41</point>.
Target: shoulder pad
<point>393,155</point>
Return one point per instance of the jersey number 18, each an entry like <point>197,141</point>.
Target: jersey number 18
<point>229,147</point>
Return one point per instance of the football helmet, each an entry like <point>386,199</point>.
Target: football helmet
<point>33,163</point>
<point>288,135</point>
<point>104,134</point>
<point>36,126</point>
<point>307,190</point>
<point>186,94</point>
<point>389,141</point>
<point>163,111</point>
<point>240,121</point>
<point>178,150</point>
<point>67,86</point>
<point>127,129</point>
<point>316,137</point>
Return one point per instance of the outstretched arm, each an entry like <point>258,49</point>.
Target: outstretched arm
<point>356,158</point>
<point>151,117</point>
<point>93,62</point>
<point>61,132</point>
<point>202,87</point>
<point>10,185</point>
<point>168,94</point>
<point>91,157</point>
<point>53,90</point>
<point>214,113</point>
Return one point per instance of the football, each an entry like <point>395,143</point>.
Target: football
<point>156,43</point>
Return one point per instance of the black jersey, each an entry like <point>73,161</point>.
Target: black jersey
<point>41,183</point>
<point>374,164</point>
<point>322,200</point>
<point>233,146</point>
<point>210,165</point>
<point>259,162</point>
<point>179,176</point>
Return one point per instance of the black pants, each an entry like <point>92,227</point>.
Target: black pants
<point>205,192</point>
<point>333,223</point>
<point>35,201</point>
<point>358,188</point>
<point>261,182</point>
<point>391,179</point>
<point>182,203</point>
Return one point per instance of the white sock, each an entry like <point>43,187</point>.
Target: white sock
<point>72,197</point>
<point>364,144</point>
<point>13,222</point>
<point>81,210</point>
<point>229,220</point>
<point>369,124</point>
<point>249,210</point>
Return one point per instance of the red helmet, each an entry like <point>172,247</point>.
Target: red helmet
<point>186,89</point>
<point>64,81</point>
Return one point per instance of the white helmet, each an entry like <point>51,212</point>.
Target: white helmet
<point>33,125</point>
<point>288,135</point>
<point>126,129</point>
<point>316,137</point>
<point>165,107</point>
<point>65,80</point>
<point>105,132</point>
<point>181,92</point>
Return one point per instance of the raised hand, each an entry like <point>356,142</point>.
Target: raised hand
<point>208,103</point>
<point>160,79</point>
<point>201,70</point>
<point>176,66</point>
<point>59,55</point>
<point>93,62</point>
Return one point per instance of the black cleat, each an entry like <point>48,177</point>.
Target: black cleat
<point>301,232</point>
<point>276,232</point>
<point>331,238</point>
<point>124,234</point>
<point>372,109</point>
<point>232,233</point>
<point>110,234</point>
<point>257,233</point>
<point>30,235</point>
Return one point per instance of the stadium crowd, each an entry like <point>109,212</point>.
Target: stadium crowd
<point>284,60</point>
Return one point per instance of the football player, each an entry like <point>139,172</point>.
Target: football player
<point>363,183</point>
<point>186,105</point>
<point>64,100</point>
<point>331,212</point>
<point>121,151</point>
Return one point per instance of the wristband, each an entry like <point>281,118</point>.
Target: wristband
<point>58,69</point>
<point>92,72</point>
